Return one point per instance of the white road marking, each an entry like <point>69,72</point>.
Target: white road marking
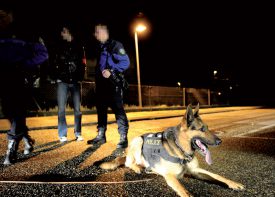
<point>76,182</point>
<point>259,130</point>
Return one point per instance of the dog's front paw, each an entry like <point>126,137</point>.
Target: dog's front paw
<point>137,170</point>
<point>236,186</point>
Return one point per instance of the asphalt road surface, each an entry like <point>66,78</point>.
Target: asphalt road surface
<point>246,155</point>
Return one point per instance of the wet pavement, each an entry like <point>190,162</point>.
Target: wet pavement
<point>71,169</point>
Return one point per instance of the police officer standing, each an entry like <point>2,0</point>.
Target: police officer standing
<point>16,57</point>
<point>112,61</point>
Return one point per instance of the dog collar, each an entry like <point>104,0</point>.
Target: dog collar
<point>171,133</point>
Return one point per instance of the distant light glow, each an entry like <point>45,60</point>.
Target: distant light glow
<point>219,93</point>
<point>140,28</point>
<point>179,83</point>
<point>230,87</point>
<point>215,72</point>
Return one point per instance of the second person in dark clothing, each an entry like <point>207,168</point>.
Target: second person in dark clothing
<point>112,61</point>
<point>69,70</point>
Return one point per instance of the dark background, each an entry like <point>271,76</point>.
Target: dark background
<point>184,43</point>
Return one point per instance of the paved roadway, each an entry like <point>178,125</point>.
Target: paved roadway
<point>54,169</point>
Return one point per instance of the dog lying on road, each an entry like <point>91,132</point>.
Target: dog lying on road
<point>171,153</point>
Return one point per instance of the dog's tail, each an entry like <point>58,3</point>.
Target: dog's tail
<point>112,165</point>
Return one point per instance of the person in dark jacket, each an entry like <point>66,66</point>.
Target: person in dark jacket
<point>112,62</point>
<point>69,72</point>
<point>16,57</point>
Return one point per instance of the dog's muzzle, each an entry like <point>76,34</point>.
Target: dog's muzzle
<point>201,145</point>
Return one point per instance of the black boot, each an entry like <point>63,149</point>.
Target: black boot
<point>29,142</point>
<point>99,139</point>
<point>123,142</point>
<point>11,152</point>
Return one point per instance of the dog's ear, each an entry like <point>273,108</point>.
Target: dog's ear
<point>196,111</point>
<point>189,116</point>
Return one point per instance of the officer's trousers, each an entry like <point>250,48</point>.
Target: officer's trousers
<point>112,98</point>
<point>13,101</point>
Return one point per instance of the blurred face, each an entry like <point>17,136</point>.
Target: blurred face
<point>101,33</point>
<point>5,18</point>
<point>66,35</point>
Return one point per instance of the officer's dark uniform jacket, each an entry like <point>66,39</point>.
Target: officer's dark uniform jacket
<point>153,149</point>
<point>111,56</point>
<point>16,57</point>
<point>67,63</point>
<point>18,53</point>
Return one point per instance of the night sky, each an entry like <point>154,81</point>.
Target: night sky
<point>186,42</point>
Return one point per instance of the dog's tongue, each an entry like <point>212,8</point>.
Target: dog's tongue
<point>205,150</point>
<point>208,158</point>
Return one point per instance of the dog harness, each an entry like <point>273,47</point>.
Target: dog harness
<point>153,148</point>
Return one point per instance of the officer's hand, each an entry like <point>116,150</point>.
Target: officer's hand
<point>106,73</point>
<point>41,41</point>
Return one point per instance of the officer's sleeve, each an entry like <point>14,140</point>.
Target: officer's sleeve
<point>39,55</point>
<point>119,60</point>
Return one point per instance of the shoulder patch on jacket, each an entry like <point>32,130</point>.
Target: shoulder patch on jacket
<point>117,47</point>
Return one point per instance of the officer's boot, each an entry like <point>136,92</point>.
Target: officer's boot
<point>99,139</point>
<point>29,142</point>
<point>123,142</point>
<point>11,152</point>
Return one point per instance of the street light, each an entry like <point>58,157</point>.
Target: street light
<point>139,28</point>
<point>215,72</point>
<point>183,93</point>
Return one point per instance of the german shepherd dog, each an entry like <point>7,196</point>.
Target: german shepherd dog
<point>171,153</point>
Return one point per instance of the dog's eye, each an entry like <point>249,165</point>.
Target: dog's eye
<point>202,129</point>
<point>193,128</point>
